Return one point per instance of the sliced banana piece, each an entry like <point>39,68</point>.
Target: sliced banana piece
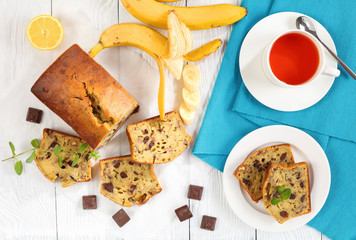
<point>186,115</point>
<point>191,99</point>
<point>180,39</point>
<point>191,77</point>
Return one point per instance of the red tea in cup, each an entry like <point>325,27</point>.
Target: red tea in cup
<point>294,58</point>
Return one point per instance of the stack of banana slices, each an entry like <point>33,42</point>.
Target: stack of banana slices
<point>173,51</point>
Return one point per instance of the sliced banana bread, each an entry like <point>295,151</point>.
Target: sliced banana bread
<point>158,141</point>
<point>47,162</point>
<point>294,177</point>
<point>252,171</point>
<point>124,181</point>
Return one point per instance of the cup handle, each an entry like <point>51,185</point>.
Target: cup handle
<point>331,71</point>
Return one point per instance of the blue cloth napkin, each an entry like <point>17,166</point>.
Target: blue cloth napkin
<point>232,111</point>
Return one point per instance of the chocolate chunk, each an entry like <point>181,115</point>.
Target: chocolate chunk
<point>121,217</point>
<point>131,162</point>
<point>89,202</point>
<point>145,140</point>
<point>151,145</point>
<point>195,192</point>
<point>87,157</point>
<point>246,181</point>
<point>302,198</point>
<point>34,115</point>
<point>53,144</point>
<point>283,156</point>
<point>208,223</point>
<point>123,175</point>
<point>301,184</point>
<point>284,214</point>
<point>48,155</point>
<point>292,196</point>
<point>145,131</point>
<point>298,176</point>
<point>108,187</point>
<point>116,163</point>
<point>183,213</point>
<point>133,187</point>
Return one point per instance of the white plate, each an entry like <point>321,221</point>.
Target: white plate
<point>257,83</point>
<point>304,149</point>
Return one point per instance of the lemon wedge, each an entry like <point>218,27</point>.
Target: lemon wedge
<point>44,32</point>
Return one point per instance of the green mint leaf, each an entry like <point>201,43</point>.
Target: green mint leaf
<point>280,189</point>
<point>275,201</point>
<point>83,147</point>
<point>12,148</point>
<point>57,150</point>
<point>31,157</point>
<point>286,194</point>
<point>60,162</point>
<point>75,162</point>
<point>18,168</point>
<point>35,143</point>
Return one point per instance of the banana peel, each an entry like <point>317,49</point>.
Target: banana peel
<point>203,51</point>
<point>155,14</point>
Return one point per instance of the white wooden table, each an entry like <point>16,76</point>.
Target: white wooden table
<point>33,208</point>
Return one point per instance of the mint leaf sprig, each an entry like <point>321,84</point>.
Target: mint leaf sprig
<point>285,194</point>
<point>57,151</point>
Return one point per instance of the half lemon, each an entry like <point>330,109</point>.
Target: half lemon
<point>44,32</point>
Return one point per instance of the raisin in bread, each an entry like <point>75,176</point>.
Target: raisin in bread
<point>124,181</point>
<point>47,162</point>
<point>85,96</point>
<point>296,178</point>
<point>158,141</point>
<point>252,171</point>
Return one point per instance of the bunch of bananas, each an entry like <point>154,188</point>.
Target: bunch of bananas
<point>177,48</point>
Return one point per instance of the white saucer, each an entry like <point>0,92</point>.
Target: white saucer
<point>254,78</point>
<point>304,149</point>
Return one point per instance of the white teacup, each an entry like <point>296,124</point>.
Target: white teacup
<point>322,69</point>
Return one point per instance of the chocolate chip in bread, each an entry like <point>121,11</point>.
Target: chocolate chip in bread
<point>85,96</point>
<point>124,181</point>
<point>158,141</point>
<point>47,162</point>
<point>294,177</point>
<point>252,171</point>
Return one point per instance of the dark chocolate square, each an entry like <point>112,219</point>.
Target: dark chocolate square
<point>121,217</point>
<point>183,213</point>
<point>195,192</point>
<point>89,202</point>
<point>34,115</point>
<point>208,223</point>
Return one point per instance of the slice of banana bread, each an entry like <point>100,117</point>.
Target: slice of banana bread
<point>158,141</point>
<point>47,162</point>
<point>124,181</point>
<point>252,171</point>
<point>294,177</point>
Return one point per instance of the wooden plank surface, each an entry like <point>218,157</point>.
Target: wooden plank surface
<point>33,208</point>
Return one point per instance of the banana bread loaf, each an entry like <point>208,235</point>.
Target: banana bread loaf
<point>294,177</point>
<point>158,141</point>
<point>85,96</point>
<point>47,162</point>
<point>124,181</point>
<point>252,171</point>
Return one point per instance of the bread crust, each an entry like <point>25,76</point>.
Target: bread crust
<point>84,95</point>
<point>288,166</point>
<point>65,135</point>
<point>251,157</point>
<point>120,158</point>
<point>187,137</point>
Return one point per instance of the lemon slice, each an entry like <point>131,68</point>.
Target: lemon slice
<point>186,115</point>
<point>191,77</point>
<point>191,99</point>
<point>44,32</point>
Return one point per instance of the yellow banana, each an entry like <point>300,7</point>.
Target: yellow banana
<point>125,35</point>
<point>201,52</point>
<point>155,14</point>
<point>168,0</point>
